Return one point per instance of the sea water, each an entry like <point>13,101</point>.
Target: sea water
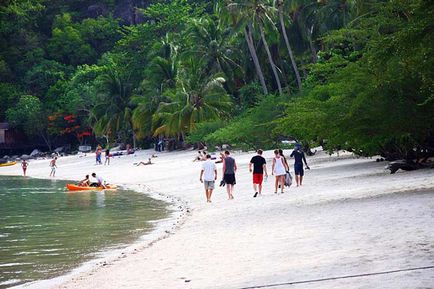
<point>45,231</point>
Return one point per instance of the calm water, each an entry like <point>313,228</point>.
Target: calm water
<point>46,231</point>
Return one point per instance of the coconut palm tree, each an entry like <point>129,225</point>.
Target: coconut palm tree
<point>282,6</point>
<point>257,13</point>
<point>112,111</point>
<point>197,97</point>
<point>236,21</point>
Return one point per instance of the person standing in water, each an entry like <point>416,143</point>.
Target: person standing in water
<point>208,176</point>
<point>24,165</point>
<point>53,167</point>
<point>279,169</point>
<point>229,170</point>
<point>299,157</point>
<point>259,168</point>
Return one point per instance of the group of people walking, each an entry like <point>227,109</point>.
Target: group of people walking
<point>258,168</point>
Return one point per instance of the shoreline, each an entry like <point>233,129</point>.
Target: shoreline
<point>270,239</point>
<point>177,214</point>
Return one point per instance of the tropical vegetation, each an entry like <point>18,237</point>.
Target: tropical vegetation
<point>344,74</point>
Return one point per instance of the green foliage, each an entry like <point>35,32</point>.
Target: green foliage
<point>253,129</point>
<point>202,130</point>
<point>28,115</point>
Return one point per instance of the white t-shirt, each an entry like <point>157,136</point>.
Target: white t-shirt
<point>208,168</point>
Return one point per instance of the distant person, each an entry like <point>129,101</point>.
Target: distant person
<point>299,157</point>
<point>259,168</point>
<point>85,182</point>
<point>208,176</point>
<point>229,170</point>
<point>145,163</point>
<point>98,153</point>
<point>107,157</point>
<point>53,167</point>
<point>97,181</point>
<point>24,165</point>
<point>279,169</point>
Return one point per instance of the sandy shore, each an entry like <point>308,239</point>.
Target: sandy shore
<point>351,217</point>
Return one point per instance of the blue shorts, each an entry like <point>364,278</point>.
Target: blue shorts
<point>298,169</point>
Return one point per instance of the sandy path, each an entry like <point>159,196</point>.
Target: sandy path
<point>351,217</point>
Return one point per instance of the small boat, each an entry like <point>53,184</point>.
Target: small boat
<point>74,187</point>
<point>8,164</point>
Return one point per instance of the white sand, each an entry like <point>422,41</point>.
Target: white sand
<point>350,217</point>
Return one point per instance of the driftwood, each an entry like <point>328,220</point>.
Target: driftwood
<point>408,165</point>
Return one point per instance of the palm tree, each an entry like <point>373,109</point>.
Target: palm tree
<point>235,20</point>
<point>198,97</point>
<point>160,75</point>
<point>112,111</point>
<point>257,13</point>
<point>280,7</point>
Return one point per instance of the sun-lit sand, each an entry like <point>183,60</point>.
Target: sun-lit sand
<point>350,217</point>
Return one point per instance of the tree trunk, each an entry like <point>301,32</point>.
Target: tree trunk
<point>255,59</point>
<point>270,58</point>
<point>288,46</point>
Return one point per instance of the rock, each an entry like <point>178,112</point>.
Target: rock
<point>35,153</point>
<point>59,149</point>
<point>96,10</point>
<point>25,157</point>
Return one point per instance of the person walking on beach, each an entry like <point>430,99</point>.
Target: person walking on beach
<point>229,170</point>
<point>299,157</point>
<point>24,165</point>
<point>53,167</point>
<point>279,169</point>
<point>107,157</point>
<point>259,168</point>
<point>208,176</point>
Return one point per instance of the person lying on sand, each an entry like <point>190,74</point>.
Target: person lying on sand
<point>143,163</point>
<point>85,182</point>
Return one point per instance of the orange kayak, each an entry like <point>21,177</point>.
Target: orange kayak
<point>74,187</point>
<point>8,164</point>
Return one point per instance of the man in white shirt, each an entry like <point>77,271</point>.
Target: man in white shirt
<point>208,176</point>
<point>97,181</point>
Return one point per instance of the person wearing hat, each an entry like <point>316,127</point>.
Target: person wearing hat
<point>299,157</point>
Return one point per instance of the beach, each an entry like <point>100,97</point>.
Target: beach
<point>351,225</point>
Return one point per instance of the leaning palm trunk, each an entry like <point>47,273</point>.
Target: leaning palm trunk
<point>270,58</point>
<point>255,59</point>
<point>291,55</point>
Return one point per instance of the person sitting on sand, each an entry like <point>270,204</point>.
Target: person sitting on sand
<point>198,157</point>
<point>221,158</point>
<point>97,181</point>
<point>145,164</point>
<point>85,182</point>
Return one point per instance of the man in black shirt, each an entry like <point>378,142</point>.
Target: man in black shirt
<point>259,168</point>
<point>299,157</point>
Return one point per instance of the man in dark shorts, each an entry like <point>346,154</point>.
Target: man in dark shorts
<point>229,169</point>
<point>299,157</point>
<point>259,168</point>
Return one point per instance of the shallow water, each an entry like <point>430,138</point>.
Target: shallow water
<point>46,231</point>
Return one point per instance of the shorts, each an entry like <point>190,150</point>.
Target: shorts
<point>298,170</point>
<point>258,178</point>
<point>229,179</point>
<point>209,185</point>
